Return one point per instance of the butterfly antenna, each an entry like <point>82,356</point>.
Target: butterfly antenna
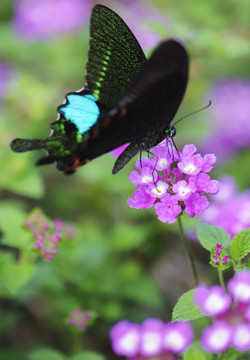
<point>192,113</point>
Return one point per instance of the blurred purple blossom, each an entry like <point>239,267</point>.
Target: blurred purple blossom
<point>140,18</point>
<point>151,339</point>
<point>212,301</point>
<point>5,74</point>
<point>219,258</point>
<point>217,337</point>
<point>229,209</point>
<point>40,19</point>
<point>47,233</point>
<point>231,324</point>
<point>230,125</point>
<point>179,186</point>
<point>79,319</point>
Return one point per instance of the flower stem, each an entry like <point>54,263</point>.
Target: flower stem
<point>188,252</point>
<point>222,283</point>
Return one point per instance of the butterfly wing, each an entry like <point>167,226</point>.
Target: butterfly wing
<point>146,107</point>
<point>115,56</point>
<point>114,59</point>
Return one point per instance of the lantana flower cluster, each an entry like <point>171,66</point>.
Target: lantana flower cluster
<point>153,339</point>
<point>230,312</point>
<point>46,233</point>
<point>173,182</point>
<point>229,209</point>
<point>79,319</point>
<point>219,257</point>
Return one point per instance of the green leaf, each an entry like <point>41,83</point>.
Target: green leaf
<point>11,225</point>
<point>186,309</point>
<point>240,245</point>
<point>87,355</point>
<point>195,352</point>
<point>13,275</point>
<point>210,235</point>
<point>43,354</point>
<point>232,354</point>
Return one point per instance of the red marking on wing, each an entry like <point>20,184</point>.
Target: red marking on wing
<point>122,113</point>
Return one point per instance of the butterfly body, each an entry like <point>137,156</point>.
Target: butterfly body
<point>126,99</point>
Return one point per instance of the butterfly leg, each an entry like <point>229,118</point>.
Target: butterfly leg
<point>125,156</point>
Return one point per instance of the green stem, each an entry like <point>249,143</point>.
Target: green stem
<point>76,342</point>
<point>222,283</point>
<point>188,252</point>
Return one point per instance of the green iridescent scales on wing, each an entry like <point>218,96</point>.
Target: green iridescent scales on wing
<point>60,144</point>
<point>115,56</point>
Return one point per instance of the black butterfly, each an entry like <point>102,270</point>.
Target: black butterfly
<point>126,99</point>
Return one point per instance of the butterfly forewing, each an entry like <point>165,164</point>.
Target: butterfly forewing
<point>115,56</point>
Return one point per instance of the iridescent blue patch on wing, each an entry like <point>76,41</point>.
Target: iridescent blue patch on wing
<point>81,110</point>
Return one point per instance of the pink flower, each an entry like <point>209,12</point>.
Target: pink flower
<point>125,338</point>
<point>181,184</point>
<point>168,209</point>
<point>196,204</point>
<point>151,337</point>
<point>177,336</point>
<point>79,319</point>
<point>241,337</point>
<point>183,190</point>
<point>239,286</point>
<point>217,338</point>
<point>212,301</point>
<point>141,200</point>
<point>40,19</point>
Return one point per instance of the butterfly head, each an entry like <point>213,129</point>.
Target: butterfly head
<point>171,132</point>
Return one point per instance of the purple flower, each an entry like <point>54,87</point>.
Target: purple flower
<point>177,336</point>
<point>163,160</point>
<point>168,209</point>
<point>39,19</point>
<point>230,126</point>
<point>212,301</point>
<point>46,233</point>
<point>125,338</point>
<point>145,176</point>
<point>196,204</point>
<point>151,337</point>
<point>181,184</point>
<point>141,200</point>
<point>228,209</point>
<point>79,319</point>
<point>241,337</point>
<point>157,190</point>
<point>217,337</point>
<point>183,190</point>
<point>145,16</point>
<point>239,286</point>
<point>37,222</point>
<point>47,244</point>
<point>191,165</point>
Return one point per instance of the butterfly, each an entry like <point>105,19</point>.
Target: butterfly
<point>126,98</point>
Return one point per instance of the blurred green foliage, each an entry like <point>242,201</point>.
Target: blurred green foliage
<point>115,264</point>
